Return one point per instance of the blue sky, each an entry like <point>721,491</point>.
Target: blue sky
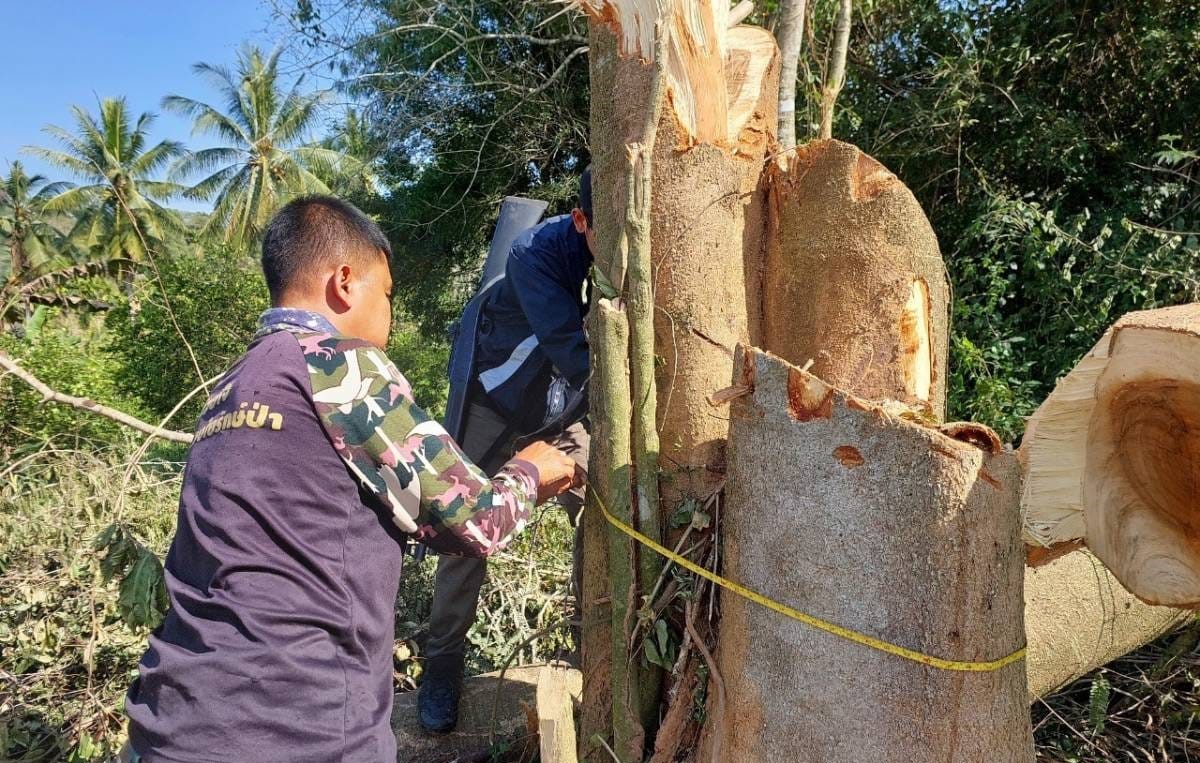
<point>63,52</point>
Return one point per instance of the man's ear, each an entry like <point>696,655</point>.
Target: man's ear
<point>580,220</point>
<point>341,283</point>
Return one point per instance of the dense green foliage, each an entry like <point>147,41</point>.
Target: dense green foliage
<point>71,361</point>
<point>213,300</point>
<point>465,103</point>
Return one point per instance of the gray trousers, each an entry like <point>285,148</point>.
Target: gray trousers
<point>458,579</point>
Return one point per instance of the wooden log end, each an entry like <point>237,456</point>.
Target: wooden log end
<point>1141,479</point>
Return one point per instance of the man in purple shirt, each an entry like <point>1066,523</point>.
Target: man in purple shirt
<point>311,468</point>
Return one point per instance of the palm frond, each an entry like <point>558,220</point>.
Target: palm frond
<point>50,190</point>
<point>81,167</point>
<point>297,116</point>
<point>196,162</point>
<point>159,189</point>
<point>156,158</point>
<point>76,198</point>
<point>207,119</point>
<point>204,190</point>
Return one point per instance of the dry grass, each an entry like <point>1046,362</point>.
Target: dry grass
<point>1144,707</point>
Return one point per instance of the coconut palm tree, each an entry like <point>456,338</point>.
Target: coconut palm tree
<point>266,160</point>
<point>32,243</point>
<point>118,207</point>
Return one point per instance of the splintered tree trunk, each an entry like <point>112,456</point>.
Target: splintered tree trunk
<point>716,127</point>
<point>887,527</point>
<point>854,280</point>
<point>717,124</point>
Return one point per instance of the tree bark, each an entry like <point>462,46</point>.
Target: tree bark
<point>854,280</point>
<point>611,463</point>
<point>885,526</point>
<point>836,76</point>
<point>1078,618</point>
<point>16,253</point>
<point>716,127</point>
<point>790,36</point>
<point>712,140</point>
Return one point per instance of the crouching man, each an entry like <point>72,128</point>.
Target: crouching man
<point>533,370</point>
<point>311,469</point>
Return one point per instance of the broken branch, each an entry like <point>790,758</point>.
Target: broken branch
<point>82,403</point>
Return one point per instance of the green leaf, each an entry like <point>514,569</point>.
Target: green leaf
<point>603,285</point>
<point>1098,697</point>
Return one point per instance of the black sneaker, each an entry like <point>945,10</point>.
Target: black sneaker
<point>441,688</point>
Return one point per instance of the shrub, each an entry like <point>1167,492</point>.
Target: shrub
<point>70,361</point>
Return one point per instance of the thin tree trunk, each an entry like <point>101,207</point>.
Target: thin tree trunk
<point>636,239</point>
<point>610,462</point>
<point>790,36</point>
<point>836,76</point>
<point>17,261</point>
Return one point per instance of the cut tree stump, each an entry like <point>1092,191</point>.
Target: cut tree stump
<point>854,280</point>
<point>558,689</point>
<point>516,720</point>
<point>885,526</point>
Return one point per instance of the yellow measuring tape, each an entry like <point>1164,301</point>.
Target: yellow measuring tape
<point>815,622</point>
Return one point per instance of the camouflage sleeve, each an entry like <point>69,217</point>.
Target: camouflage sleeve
<point>408,460</point>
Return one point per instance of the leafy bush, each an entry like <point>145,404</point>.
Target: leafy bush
<point>66,652</point>
<point>213,299</point>
<point>69,360</point>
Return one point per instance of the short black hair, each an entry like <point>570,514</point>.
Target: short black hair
<point>316,230</point>
<point>585,194</point>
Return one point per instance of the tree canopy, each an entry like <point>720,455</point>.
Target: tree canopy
<point>118,208</point>
<point>266,160</point>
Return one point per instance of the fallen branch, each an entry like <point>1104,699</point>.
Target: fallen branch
<point>82,403</point>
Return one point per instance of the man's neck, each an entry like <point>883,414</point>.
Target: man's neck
<point>304,302</point>
<point>293,317</point>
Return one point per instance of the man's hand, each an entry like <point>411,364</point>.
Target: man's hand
<point>556,470</point>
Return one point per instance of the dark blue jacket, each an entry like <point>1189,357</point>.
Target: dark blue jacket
<point>533,322</point>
